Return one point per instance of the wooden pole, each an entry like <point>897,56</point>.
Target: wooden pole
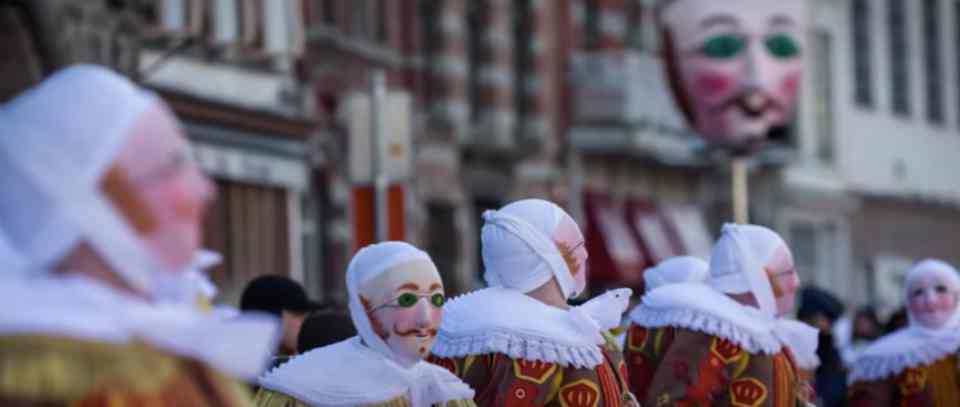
<point>741,197</point>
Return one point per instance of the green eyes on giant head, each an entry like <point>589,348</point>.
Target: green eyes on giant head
<point>726,46</point>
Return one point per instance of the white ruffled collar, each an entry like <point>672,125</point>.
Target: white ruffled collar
<point>909,347</point>
<point>701,308</point>
<point>348,373</point>
<point>498,320</point>
<point>84,309</point>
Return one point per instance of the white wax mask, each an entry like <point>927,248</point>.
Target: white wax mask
<point>404,304</point>
<point>931,300</point>
<point>162,191</point>
<point>735,65</point>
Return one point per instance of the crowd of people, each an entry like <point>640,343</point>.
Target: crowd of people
<point>105,303</point>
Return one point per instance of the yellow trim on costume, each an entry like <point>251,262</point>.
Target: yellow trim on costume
<point>724,350</point>
<point>46,368</point>
<point>629,341</point>
<point>555,385</point>
<point>748,392</point>
<point>536,366</point>
<point>580,400</point>
<point>943,382</point>
<point>467,363</point>
<point>658,340</point>
<point>742,362</point>
<point>610,342</point>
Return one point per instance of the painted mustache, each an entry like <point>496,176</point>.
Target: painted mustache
<point>753,102</point>
<point>414,332</point>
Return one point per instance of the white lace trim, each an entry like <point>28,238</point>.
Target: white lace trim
<point>701,308</point>
<point>901,350</point>
<point>496,320</point>
<point>348,373</point>
<point>707,323</point>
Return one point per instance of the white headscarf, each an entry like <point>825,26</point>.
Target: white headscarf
<point>56,142</point>
<point>914,345</point>
<point>518,248</point>
<point>680,269</point>
<point>737,263</point>
<point>366,369</point>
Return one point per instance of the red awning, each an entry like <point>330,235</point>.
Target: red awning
<point>614,255</point>
<point>686,223</point>
<point>651,230</point>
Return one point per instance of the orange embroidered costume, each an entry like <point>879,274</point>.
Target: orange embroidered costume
<point>691,344</point>
<point>517,350</point>
<point>917,365</point>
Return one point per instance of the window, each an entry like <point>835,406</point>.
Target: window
<point>429,42</point>
<point>956,41</point>
<point>476,23</point>
<point>899,56</point>
<point>933,61</point>
<point>635,25</point>
<point>382,24</point>
<point>325,12</point>
<point>523,53</point>
<point>862,53</point>
<point>823,96</point>
<point>818,251</point>
<point>591,24</point>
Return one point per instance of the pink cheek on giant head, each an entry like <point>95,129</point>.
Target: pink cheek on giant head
<point>712,85</point>
<point>789,86</point>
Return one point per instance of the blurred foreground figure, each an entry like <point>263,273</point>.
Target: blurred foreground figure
<point>518,342</point>
<point>727,343</point>
<point>643,360</point>
<point>917,365</point>
<point>395,302</point>
<point>102,206</point>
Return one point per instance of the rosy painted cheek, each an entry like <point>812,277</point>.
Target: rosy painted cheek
<point>712,85</point>
<point>789,86</point>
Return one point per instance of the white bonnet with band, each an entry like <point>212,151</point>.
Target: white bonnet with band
<point>367,264</point>
<point>738,260</point>
<point>57,141</point>
<point>679,269</point>
<point>518,249</point>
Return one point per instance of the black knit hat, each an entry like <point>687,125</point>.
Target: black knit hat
<point>274,294</point>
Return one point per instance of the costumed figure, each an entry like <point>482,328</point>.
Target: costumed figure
<point>102,207</point>
<point>642,357</point>
<point>726,342</point>
<point>396,299</point>
<point>915,366</point>
<point>517,342</point>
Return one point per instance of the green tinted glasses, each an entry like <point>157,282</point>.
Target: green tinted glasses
<point>408,300</point>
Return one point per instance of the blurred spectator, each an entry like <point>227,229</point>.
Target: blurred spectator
<point>821,309</point>
<point>285,299</point>
<point>854,335</point>
<point>324,328</point>
<point>897,320</point>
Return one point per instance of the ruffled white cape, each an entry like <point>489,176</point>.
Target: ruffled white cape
<point>83,309</point>
<point>909,347</point>
<point>701,308</point>
<point>348,373</point>
<point>499,320</point>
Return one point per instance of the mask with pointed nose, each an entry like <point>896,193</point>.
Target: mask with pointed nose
<point>405,307</point>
